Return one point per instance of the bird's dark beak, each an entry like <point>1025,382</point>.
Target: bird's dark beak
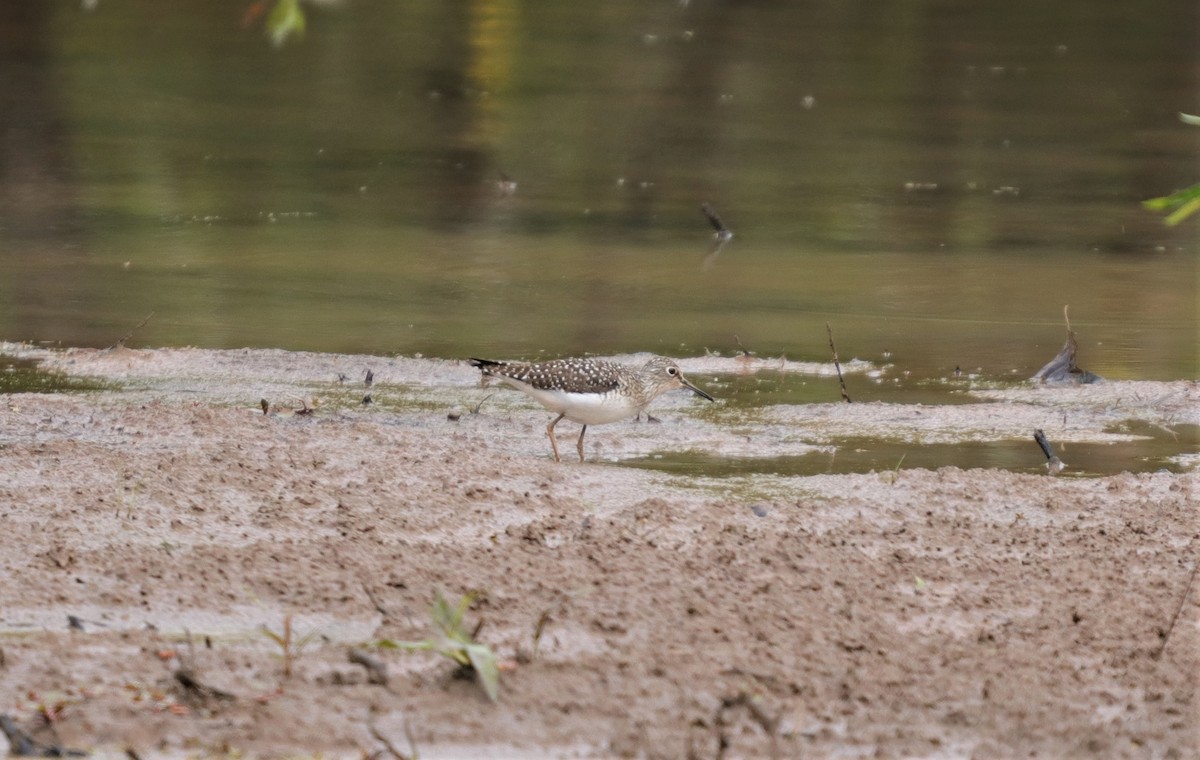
<point>694,389</point>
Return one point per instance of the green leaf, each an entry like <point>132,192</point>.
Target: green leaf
<point>450,620</point>
<point>286,19</point>
<point>483,660</point>
<point>410,645</point>
<point>1184,203</point>
<point>1187,118</point>
<point>271,635</point>
<point>456,643</point>
<point>1183,212</point>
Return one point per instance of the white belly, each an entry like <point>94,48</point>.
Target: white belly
<point>585,408</point>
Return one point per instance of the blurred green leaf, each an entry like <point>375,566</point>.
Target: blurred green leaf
<point>1183,212</point>
<point>483,660</point>
<point>1185,202</point>
<point>456,643</point>
<point>449,620</point>
<point>286,19</point>
<point>1181,204</point>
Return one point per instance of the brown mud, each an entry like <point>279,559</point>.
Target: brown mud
<point>914,613</point>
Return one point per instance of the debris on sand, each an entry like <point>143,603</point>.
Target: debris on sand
<point>21,744</point>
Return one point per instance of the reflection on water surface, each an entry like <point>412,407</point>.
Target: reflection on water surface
<point>935,185</point>
<point>891,458</point>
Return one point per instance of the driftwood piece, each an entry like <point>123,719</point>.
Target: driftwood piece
<point>121,341</point>
<point>1062,369</point>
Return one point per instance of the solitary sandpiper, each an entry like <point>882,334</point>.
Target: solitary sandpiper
<point>589,391</point>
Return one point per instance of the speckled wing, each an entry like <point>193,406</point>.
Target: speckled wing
<point>567,375</point>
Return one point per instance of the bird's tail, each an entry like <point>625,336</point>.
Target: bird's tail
<point>484,365</point>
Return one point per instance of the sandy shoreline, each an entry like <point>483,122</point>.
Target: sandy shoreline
<point>938,612</point>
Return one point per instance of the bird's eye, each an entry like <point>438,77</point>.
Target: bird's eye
<point>672,371</point>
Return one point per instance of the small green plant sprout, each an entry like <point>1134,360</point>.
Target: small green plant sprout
<point>1181,204</point>
<point>289,644</point>
<point>457,644</point>
<point>896,469</point>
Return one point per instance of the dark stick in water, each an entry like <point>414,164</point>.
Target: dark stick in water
<point>837,365</point>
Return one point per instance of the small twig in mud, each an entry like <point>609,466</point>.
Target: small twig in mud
<point>376,669</point>
<point>1182,600</point>
<point>185,674</point>
<point>391,748</point>
<point>757,713</point>
<point>305,409</point>
<point>836,364</point>
<point>369,380</point>
<point>745,358</point>
<point>187,679</point>
<point>375,602</point>
<point>539,628</point>
<point>742,350</point>
<point>481,402</point>
<point>121,341</point>
<point>559,607</point>
<point>266,406</point>
<point>289,645</point>
<point>896,469</point>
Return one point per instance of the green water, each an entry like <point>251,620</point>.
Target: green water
<point>935,182</point>
<point>857,455</point>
